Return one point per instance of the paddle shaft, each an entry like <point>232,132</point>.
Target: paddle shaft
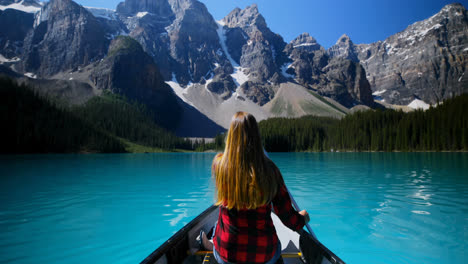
<point>298,209</point>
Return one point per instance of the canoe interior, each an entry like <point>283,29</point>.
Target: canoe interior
<point>182,247</point>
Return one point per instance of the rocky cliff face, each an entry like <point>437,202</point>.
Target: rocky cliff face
<point>346,83</point>
<point>337,77</point>
<point>180,35</point>
<point>256,50</point>
<point>344,48</point>
<point>65,36</point>
<point>427,61</point>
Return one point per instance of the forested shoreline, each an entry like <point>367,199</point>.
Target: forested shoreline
<point>442,128</point>
<point>112,124</point>
<point>109,123</point>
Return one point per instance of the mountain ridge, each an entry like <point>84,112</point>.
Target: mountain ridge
<point>238,61</point>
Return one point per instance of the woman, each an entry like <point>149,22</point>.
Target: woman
<point>247,184</point>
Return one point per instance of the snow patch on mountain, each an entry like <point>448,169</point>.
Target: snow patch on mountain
<point>141,14</point>
<point>379,92</point>
<point>239,76</point>
<point>304,45</point>
<point>3,59</point>
<point>377,95</point>
<point>284,68</point>
<point>419,104</point>
<point>179,90</point>
<point>19,6</point>
<point>30,75</point>
<point>422,32</point>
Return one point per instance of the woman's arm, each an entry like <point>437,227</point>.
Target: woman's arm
<point>285,211</point>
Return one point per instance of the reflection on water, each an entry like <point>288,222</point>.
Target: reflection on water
<point>366,207</point>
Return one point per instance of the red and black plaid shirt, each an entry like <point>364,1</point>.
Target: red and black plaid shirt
<point>249,236</point>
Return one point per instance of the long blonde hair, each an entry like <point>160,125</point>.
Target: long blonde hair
<point>245,177</point>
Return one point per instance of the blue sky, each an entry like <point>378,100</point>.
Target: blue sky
<point>365,21</point>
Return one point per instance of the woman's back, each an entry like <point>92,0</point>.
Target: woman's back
<point>248,184</point>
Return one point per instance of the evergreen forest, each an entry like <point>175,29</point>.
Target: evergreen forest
<point>111,123</point>
<point>441,128</point>
<point>34,123</point>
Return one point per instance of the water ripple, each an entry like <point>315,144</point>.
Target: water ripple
<point>366,207</point>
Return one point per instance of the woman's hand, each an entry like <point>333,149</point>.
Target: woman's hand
<point>306,216</point>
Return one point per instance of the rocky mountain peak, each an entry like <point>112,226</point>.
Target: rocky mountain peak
<point>422,60</point>
<point>305,42</point>
<point>253,9</point>
<point>455,9</point>
<point>304,38</point>
<point>58,11</point>
<point>65,36</point>
<point>344,48</point>
<point>344,39</point>
<point>180,35</point>
<point>452,13</point>
<point>59,8</point>
<point>245,18</point>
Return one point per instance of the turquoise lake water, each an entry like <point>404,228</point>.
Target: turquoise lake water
<point>366,207</point>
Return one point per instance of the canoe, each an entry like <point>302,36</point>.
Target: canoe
<point>183,247</point>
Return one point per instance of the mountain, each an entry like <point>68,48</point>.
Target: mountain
<point>231,64</point>
<point>65,36</point>
<point>256,51</point>
<point>427,61</point>
<point>339,78</point>
<point>306,42</point>
<point>180,35</point>
<point>344,48</point>
<point>193,71</point>
<point>129,71</point>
